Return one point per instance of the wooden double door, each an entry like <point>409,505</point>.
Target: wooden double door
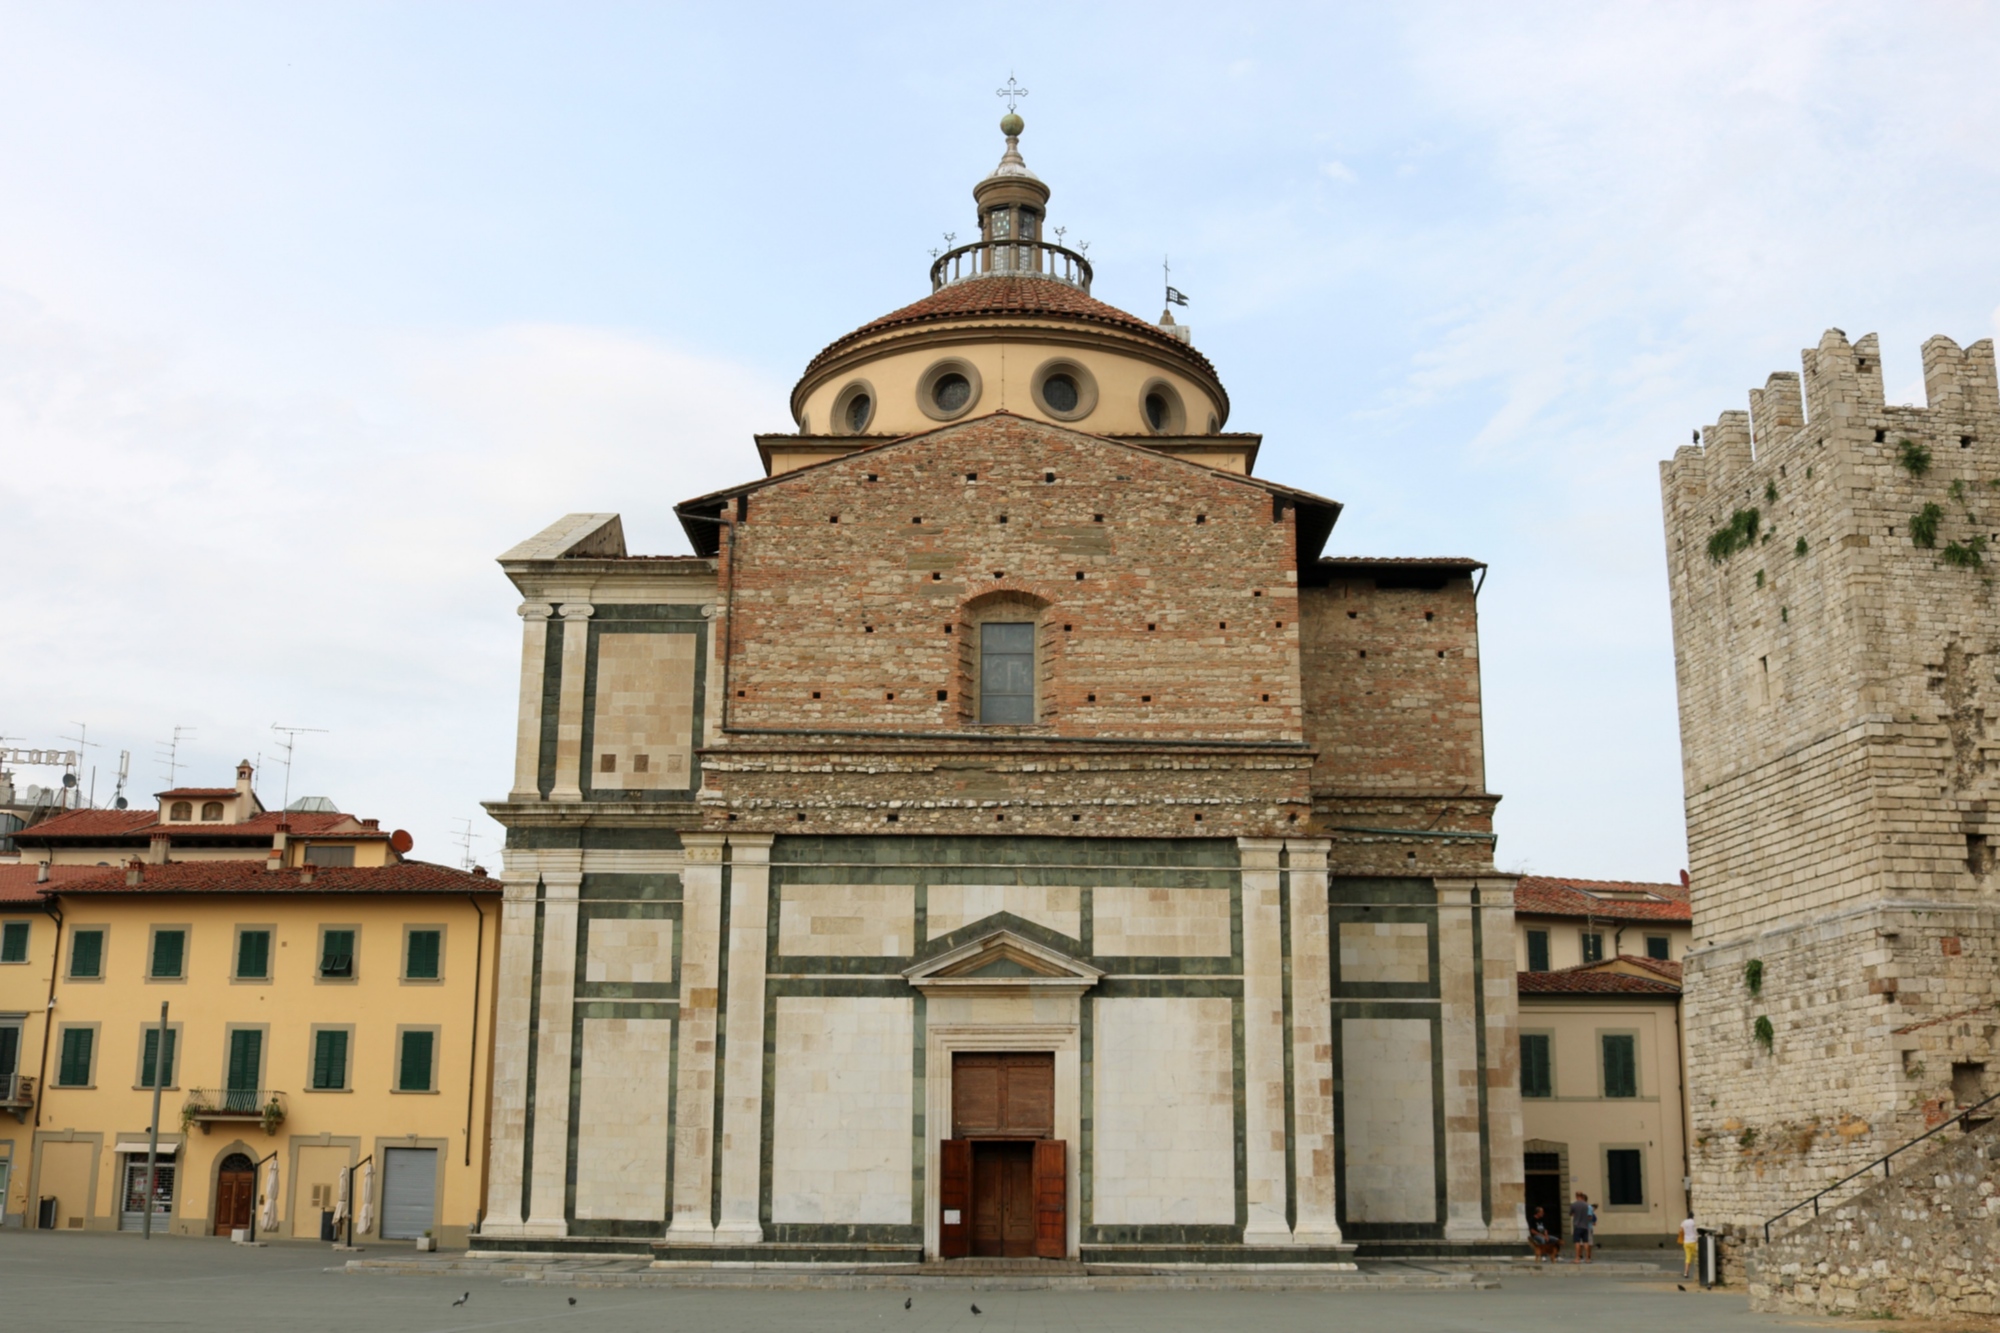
<point>1003,1175</point>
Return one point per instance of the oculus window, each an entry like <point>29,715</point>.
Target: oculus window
<point>1007,672</point>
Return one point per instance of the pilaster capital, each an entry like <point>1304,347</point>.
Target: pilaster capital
<point>1259,853</point>
<point>751,848</point>
<point>1455,892</point>
<point>577,610</point>
<point>532,611</point>
<point>703,848</point>
<point>1308,853</point>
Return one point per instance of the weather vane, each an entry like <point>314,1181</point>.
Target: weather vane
<point>1013,92</point>
<point>1174,294</point>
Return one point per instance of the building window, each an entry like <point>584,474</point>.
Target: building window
<point>948,389</point>
<point>336,954</point>
<point>1593,947</point>
<point>149,1054</point>
<point>14,942</point>
<point>211,811</point>
<point>180,810</point>
<point>245,1071</point>
<point>329,1071</point>
<point>1537,1065</point>
<point>1007,672</point>
<point>422,951</point>
<point>10,1050</point>
<point>415,1058</point>
<point>169,958</point>
<point>1660,947</point>
<point>1538,951</point>
<point>73,1067</point>
<point>86,955</point>
<point>1624,1178</point>
<point>1621,1064</point>
<point>253,955</point>
<point>329,856</point>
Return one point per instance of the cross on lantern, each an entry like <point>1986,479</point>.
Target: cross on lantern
<point>1013,92</point>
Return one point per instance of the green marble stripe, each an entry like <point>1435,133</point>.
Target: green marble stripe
<point>985,852</point>
<point>1087,1112</point>
<point>922,906</point>
<point>1087,919</point>
<point>919,1062</point>
<point>1189,988</point>
<point>545,752</point>
<point>1143,966</point>
<point>1349,889</point>
<point>543,837</point>
<point>629,1009</point>
<point>630,888</point>
<point>843,1233</point>
<point>534,1053</point>
<point>809,965</point>
<point>1165,1233</point>
<point>1437,1119</point>
<point>1056,876</point>
<point>643,611</point>
<point>602,1227</point>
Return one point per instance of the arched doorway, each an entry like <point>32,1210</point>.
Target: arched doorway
<point>235,1192</point>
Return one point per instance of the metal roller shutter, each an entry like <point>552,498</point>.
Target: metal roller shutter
<point>409,1192</point>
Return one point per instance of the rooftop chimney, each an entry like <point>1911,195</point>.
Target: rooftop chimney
<point>41,872</point>
<point>133,874</point>
<point>158,846</point>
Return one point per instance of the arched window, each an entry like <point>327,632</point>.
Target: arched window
<point>1004,671</point>
<point>211,810</point>
<point>180,810</point>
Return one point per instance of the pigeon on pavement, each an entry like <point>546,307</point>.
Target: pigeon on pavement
<point>572,1300</point>
<point>907,1300</point>
<point>977,1310</point>
<point>461,1300</point>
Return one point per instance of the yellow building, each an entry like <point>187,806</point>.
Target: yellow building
<point>319,1016</point>
<point>1602,1106</point>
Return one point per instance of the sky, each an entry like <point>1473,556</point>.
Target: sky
<point>307,312</point>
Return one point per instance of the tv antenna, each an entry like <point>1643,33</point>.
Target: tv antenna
<point>464,836</point>
<point>291,742</point>
<point>124,771</point>
<point>72,780</point>
<point>173,750</point>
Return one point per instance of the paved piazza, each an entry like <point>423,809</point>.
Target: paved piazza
<point>115,1282</point>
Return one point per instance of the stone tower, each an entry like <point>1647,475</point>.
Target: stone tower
<point>1837,650</point>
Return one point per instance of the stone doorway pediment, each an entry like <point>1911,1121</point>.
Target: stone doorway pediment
<point>1002,960</point>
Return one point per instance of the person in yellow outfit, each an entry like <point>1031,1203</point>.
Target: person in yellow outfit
<point>1690,1238</point>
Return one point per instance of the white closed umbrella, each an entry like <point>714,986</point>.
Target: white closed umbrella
<point>340,1203</point>
<point>270,1222</point>
<point>365,1210</point>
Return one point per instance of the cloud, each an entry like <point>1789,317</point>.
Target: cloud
<point>1338,171</point>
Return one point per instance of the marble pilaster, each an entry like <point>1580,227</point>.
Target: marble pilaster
<point>1263,1044</point>
<point>1315,1219</point>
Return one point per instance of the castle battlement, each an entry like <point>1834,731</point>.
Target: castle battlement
<point>1831,561</point>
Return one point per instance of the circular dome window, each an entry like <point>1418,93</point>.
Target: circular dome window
<point>948,390</point>
<point>1162,408</point>
<point>951,393</point>
<point>854,408</point>
<point>1064,389</point>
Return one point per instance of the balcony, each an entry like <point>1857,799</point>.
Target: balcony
<point>17,1094</point>
<point>1029,259</point>
<point>233,1106</point>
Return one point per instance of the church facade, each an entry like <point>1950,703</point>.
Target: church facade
<point>1008,834</point>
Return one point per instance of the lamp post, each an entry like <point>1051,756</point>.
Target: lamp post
<point>153,1134</point>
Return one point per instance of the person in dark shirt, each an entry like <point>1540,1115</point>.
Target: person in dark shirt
<point>1582,1226</point>
<point>1547,1246</point>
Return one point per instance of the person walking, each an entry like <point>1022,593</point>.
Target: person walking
<point>1582,1227</point>
<point>1690,1240</point>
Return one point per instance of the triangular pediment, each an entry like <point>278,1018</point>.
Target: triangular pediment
<point>1003,958</point>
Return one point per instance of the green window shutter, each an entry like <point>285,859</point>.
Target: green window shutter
<point>246,1059</point>
<point>336,953</point>
<point>253,955</point>
<point>423,960</point>
<point>10,1050</point>
<point>1625,1177</point>
<point>1538,951</point>
<point>14,942</point>
<point>1535,1065</point>
<point>329,1059</point>
<point>413,1072</point>
<point>86,954</point>
<point>152,1051</point>
<point>169,952</point>
<point>1621,1066</point>
<point>74,1070</point>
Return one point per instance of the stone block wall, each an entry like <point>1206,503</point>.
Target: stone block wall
<point>1922,1244</point>
<point>1836,676</point>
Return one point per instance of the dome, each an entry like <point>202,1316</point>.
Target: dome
<point>1010,325</point>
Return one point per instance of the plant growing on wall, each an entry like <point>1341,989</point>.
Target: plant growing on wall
<point>1801,548</point>
<point>1924,526</point>
<point>1770,492</point>
<point>1763,1031</point>
<point>1969,554</point>
<point>1916,459</point>
<point>1739,533</point>
<point>1753,976</point>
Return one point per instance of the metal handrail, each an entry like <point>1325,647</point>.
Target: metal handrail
<point>1038,259</point>
<point>1962,1120</point>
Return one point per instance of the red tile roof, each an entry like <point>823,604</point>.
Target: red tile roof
<point>252,877</point>
<point>1605,899</point>
<point>19,885</point>
<point>1604,979</point>
<point>1009,297</point>
<point>138,825</point>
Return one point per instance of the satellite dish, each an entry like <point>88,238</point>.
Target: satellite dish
<point>402,842</point>
<point>69,779</point>
<point>120,803</point>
